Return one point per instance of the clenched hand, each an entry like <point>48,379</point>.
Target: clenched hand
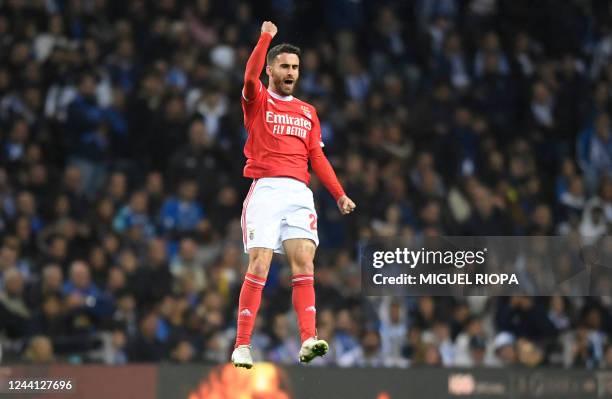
<point>346,205</point>
<point>269,27</point>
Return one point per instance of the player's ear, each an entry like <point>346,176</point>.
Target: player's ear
<point>268,70</point>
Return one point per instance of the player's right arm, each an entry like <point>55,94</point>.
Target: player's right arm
<point>257,60</point>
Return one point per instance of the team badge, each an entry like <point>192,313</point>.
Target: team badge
<point>306,112</point>
<point>251,234</point>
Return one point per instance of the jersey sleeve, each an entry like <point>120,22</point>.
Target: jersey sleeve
<point>251,107</point>
<point>253,91</point>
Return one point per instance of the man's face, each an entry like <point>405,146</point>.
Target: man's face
<point>53,277</point>
<point>188,191</point>
<point>284,72</point>
<point>88,86</point>
<point>80,275</point>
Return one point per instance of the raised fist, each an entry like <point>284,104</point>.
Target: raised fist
<point>269,27</point>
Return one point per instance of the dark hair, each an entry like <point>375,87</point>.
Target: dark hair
<point>282,48</point>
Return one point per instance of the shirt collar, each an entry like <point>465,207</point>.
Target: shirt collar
<point>279,97</point>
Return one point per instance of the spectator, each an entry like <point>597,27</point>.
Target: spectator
<point>89,140</point>
<point>183,352</point>
<point>81,293</point>
<point>125,313</point>
<point>413,345</point>
<point>593,223</point>
<point>393,329</point>
<point>284,344</point>
<point>14,150</point>
<point>468,344</point>
<point>226,206</point>
<point>529,354</point>
<point>572,201</point>
<point>216,348</point>
<point>608,357</point>
<point>117,187</point>
<point>424,315</point>
<point>585,349</point>
<point>116,281</point>
<point>39,351</point>
<point>14,312</point>
<point>603,199</point>
<point>477,347</point>
<point>452,62</point>
<point>200,158</point>
<point>74,189</point>
<point>80,284</point>
<point>51,283</point>
<point>153,280</point>
<point>182,214</point>
<point>441,338</point>
<point>134,218</point>
<point>487,218</point>
<point>51,319</point>
<point>146,347</point>
<point>504,347</point>
<point>368,354</point>
<point>57,252</point>
<point>594,149</point>
<point>155,192</point>
<point>346,336</point>
<point>114,353</point>
<point>558,314</point>
<point>188,263</point>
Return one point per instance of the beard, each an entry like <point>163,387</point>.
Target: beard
<point>283,88</point>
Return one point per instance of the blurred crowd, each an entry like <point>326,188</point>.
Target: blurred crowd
<point>121,173</point>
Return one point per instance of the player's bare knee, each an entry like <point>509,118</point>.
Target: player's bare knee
<point>258,269</point>
<point>259,263</point>
<point>300,254</point>
<point>302,264</point>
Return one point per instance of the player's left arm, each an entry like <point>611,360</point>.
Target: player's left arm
<point>323,169</point>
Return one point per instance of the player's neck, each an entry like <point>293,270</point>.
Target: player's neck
<point>274,93</point>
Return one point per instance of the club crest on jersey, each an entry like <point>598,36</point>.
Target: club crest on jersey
<point>306,111</point>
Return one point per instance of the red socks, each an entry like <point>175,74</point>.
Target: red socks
<point>304,304</point>
<point>248,305</point>
<point>250,298</point>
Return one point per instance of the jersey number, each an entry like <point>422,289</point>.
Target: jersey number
<point>313,221</point>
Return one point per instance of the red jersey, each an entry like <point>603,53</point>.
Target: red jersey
<point>282,132</point>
